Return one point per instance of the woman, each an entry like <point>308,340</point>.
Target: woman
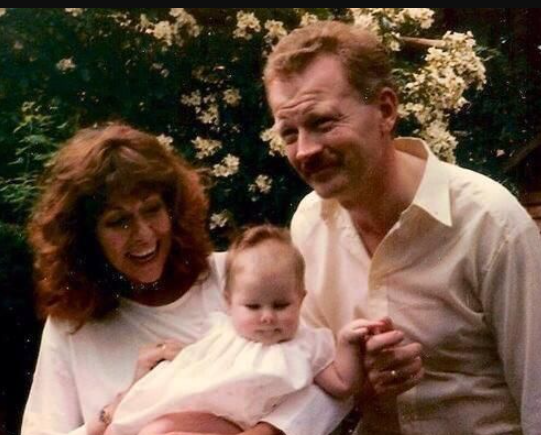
<point>125,277</point>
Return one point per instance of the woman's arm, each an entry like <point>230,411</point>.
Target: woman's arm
<point>52,407</point>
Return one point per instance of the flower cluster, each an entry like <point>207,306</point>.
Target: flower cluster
<point>171,31</point>
<point>247,25</point>
<point>437,89</point>
<point>227,167</point>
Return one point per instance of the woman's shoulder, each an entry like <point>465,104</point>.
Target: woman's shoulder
<point>213,283</point>
<point>217,264</point>
<point>57,329</point>
<point>57,335</point>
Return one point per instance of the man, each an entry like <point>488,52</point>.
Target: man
<point>447,254</point>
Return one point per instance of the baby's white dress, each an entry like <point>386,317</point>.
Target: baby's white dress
<point>226,375</point>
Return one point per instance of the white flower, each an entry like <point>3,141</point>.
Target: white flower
<point>206,147</point>
<point>65,65</point>
<point>163,31</point>
<point>420,111</point>
<point>437,89</point>
<point>184,19</point>
<point>441,141</point>
<point>159,67</point>
<point>3,11</point>
<point>206,75</point>
<point>121,18</point>
<point>393,41</point>
<point>210,98</point>
<point>247,24</point>
<point>262,184</point>
<point>219,220</point>
<point>227,167</point>
<point>171,32</point>
<point>308,19</point>
<point>232,97</point>
<point>76,12</point>
<point>144,22</point>
<point>275,31</point>
<point>166,141</point>
<point>388,23</point>
<point>194,99</point>
<point>210,115</point>
<point>364,19</point>
<point>276,144</point>
<point>423,16</point>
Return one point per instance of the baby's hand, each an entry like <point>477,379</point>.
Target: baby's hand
<point>359,330</point>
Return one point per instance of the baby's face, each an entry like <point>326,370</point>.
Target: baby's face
<point>265,300</point>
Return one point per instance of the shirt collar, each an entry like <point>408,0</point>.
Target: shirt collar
<point>433,195</point>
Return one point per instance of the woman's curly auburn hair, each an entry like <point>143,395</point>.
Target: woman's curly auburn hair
<point>88,169</point>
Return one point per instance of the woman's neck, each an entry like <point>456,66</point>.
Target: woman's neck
<point>161,292</point>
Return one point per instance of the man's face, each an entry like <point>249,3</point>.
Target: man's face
<point>333,138</point>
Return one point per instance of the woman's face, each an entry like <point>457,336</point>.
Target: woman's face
<point>134,232</point>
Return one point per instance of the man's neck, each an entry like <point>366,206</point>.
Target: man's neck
<point>382,199</point>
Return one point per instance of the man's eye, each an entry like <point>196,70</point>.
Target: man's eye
<point>289,136</point>
<point>324,124</point>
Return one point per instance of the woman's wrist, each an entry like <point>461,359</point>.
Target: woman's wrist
<point>105,416</point>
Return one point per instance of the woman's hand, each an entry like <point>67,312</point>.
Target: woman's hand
<point>151,355</point>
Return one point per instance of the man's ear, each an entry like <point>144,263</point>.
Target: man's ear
<point>303,294</point>
<point>387,102</point>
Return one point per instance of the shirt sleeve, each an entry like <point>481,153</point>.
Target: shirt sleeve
<point>323,349</point>
<point>53,404</point>
<point>511,294</point>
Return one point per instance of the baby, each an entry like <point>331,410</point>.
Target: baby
<point>252,359</point>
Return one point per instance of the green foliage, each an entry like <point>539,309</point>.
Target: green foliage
<point>191,76</point>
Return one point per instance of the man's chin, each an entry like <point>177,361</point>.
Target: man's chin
<point>326,190</point>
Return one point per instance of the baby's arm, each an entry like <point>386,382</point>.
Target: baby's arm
<point>345,375</point>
